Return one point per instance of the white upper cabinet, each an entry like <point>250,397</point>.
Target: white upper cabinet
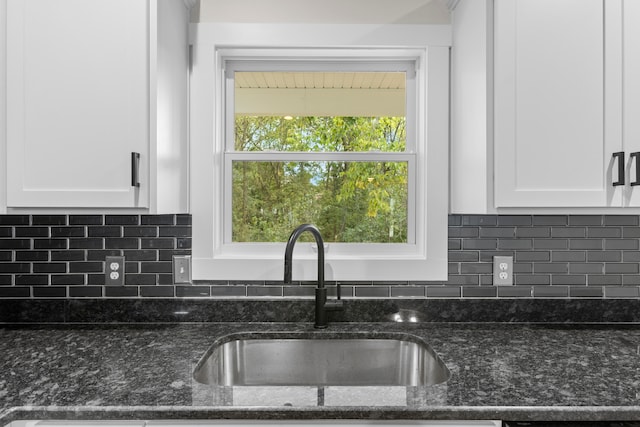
<point>566,92</point>
<point>549,104</point>
<point>631,97</point>
<point>89,83</point>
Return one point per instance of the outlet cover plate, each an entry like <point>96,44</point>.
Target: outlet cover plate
<point>502,270</point>
<point>114,271</point>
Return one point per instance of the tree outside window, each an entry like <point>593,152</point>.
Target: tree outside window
<point>362,202</point>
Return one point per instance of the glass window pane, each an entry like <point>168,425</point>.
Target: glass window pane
<point>320,134</point>
<point>356,202</point>
<point>320,111</point>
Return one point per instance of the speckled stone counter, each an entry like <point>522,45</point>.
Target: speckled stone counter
<point>499,371</point>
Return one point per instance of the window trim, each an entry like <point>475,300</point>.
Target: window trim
<point>215,260</point>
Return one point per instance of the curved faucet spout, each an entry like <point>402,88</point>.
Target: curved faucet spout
<point>288,253</point>
<point>321,305</point>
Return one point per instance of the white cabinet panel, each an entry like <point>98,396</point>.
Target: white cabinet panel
<point>549,105</point>
<point>77,102</point>
<point>631,96</point>
<point>567,98</point>
<point>89,82</point>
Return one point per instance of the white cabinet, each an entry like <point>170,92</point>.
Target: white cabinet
<point>549,103</point>
<point>89,82</point>
<point>631,94</point>
<point>566,101</point>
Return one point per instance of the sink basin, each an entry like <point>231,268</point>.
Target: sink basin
<point>351,360</point>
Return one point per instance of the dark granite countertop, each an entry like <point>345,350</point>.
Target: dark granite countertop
<point>144,371</point>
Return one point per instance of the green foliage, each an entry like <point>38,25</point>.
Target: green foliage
<point>348,201</point>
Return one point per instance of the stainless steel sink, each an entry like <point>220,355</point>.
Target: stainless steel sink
<point>350,361</point>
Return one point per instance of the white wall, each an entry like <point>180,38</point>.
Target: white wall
<point>3,106</point>
<point>172,150</point>
<point>471,151</point>
<point>326,11</point>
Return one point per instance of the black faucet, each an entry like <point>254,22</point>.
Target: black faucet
<point>322,305</point>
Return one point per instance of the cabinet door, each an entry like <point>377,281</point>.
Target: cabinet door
<point>77,102</point>
<point>631,95</point>
<point>550,144</point>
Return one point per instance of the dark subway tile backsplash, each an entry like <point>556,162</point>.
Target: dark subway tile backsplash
<point>63,256</point>
<point>555,256</point>
<point>15,220</point>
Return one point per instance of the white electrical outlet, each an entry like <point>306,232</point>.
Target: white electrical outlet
<point>182,269</point>
<point>502,270</point>
<point>114,270</point>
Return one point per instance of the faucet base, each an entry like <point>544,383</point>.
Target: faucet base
<point>321,313</point>
<point>323,307</point>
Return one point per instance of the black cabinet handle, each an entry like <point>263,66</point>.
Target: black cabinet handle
<point>619,156</point>
<point>135,169</point>
<point>635,157</point>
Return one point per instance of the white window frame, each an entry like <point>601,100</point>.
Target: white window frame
<point>214,258</point>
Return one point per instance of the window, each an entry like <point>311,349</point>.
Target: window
<point>324,143</point>
<point>353,139</point>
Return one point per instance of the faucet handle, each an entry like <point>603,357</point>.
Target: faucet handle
<point>335,304</point>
